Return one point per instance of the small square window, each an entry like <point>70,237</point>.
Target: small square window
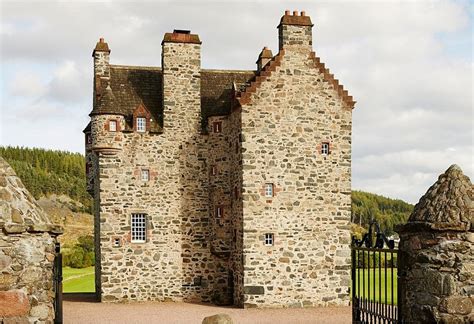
<point>217,127</point>
<point>269,190</point>
<point>112,125</point>
<point>116,242</point>
<point>145,175</point>
<point>269,239</point>
<point>138,228</point>
<point>141,124</point>
<point>219,211</point>
<point>325,148</point>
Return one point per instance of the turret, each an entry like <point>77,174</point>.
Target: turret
<point>264,57</point>
<point>181,64</point>
<point>101,55</point>
<point>295,30</point>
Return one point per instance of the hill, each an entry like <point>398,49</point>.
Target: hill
<point>57,180</point>
<point>386,211</point>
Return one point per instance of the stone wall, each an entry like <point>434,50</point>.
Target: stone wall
<point>27,243</point>
<point>436,257</point>
<point>283,125</point>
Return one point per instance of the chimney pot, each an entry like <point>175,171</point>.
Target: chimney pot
<point>101,40</point>
<point>303,13</point>
<point>287,12</point>
<point>295,13</point>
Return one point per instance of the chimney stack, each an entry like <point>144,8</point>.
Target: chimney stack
<point>295,31</point>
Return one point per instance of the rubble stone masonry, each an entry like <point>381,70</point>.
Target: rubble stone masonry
<point>205,204</point>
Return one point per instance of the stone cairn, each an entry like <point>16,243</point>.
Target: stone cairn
<point>27,246</point>
<point>437,254</point>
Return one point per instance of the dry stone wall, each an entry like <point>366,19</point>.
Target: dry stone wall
<point>287,119</point>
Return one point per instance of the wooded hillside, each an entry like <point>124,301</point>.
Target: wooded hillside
<point>63,173</point>
<point>386,211</point>
<point>46,172</point>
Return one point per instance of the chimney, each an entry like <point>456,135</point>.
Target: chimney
<point>295,31</point>
<point>181,66</point>
<point>264,57</point>
<point>101,55</point>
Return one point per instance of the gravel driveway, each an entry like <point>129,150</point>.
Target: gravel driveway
<point>183,313</point>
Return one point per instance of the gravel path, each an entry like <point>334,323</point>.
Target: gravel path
<point>184,313</point>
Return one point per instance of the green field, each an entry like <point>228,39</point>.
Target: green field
<point>78,280</point>
<point>363,290</point>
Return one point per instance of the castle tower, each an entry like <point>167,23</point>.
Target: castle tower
<point>296,131</point>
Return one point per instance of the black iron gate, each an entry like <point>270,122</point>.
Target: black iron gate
<point>375,279</point>
<point>58,286</point>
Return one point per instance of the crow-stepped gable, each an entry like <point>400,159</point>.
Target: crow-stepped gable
<point>222,186</point>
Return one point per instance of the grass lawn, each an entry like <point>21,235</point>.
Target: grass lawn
<point>363,290</point>
<point>78,280</point>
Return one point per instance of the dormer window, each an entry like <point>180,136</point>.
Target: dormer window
<point>325,148</point>
<point>217,127</point>
<point>112,125</point>
<point>141,124</point>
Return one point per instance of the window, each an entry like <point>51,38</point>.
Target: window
<point>213,170</point>
<point>268,239</point>
<point>88,139</point>
<point>145,175</point>
<point>236,192</point>
<point>112,125</point>
<point>217,126</point>
<point>325,148</point>
<point>141,124</point>
<point>269,190</point>
<point>219,211</point>
<point>116,242</point>
<point>138,228</point>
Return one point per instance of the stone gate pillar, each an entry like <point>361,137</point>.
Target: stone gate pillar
<point>436,256</point>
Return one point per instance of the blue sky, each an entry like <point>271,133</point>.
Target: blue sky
<point>408,64</point>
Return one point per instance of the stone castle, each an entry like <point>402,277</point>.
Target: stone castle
<point>222,186</point>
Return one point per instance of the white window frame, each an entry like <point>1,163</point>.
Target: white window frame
<point>325,148</point>
<point>145,175</point>
<point>138,228</point>
<point>219,211</point>
<point>269,239</point>
<point>114,123</point>
<point>269,190</point>
<point>141,124</point>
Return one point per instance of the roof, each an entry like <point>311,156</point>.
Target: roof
<point>130,86</point>
<point>19,210</point>
<point>447,205</point>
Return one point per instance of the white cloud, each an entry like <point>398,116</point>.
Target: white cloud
<point>412,81</point>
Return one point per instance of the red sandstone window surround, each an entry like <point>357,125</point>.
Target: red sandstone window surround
<point>112,125</point>
<point>325,148</point>
<point>217,127</point>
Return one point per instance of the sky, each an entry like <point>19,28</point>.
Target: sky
<point>408,64</point>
